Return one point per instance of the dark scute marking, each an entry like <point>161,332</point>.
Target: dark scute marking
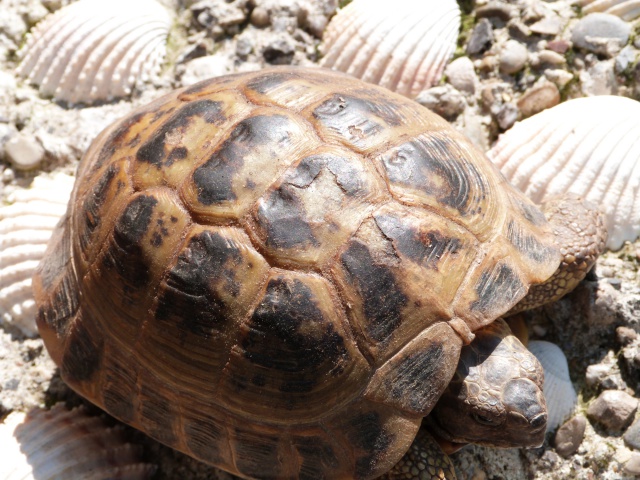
<point>318,458</point>
<point>157,412</point>
<point>347,177</point>
<point>118,392</point>
<point>52,266</point>
<point>423,247</point>
<point>205,439</point>
<point>125,253</point>
<point>153,151</point>
<point>257,457</point>
<point>83,354</point>
<point>426,163</point>
<point>382,297</point>
<point>263,84</point>
<point>63,303</point>
<point>306,171</point>
<point>528,244</point>
<point>275,341</point>
<point>115,141</point>
<point>531,213</point>
<point>188,297</point>
<point>497,286</point>
<point>94,201</point>
<point>214,179</point>
<point>283,217</point>
<point>367,433</point>
<point>339,109</point>
<point>412,379</point>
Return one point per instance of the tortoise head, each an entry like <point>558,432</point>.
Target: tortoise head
<point>495,397</point>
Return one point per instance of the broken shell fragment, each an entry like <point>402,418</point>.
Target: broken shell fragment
<point>67,444</point>
<point>588,146</point>
<point>558,390</point>
<point>26,224</point>
<point>403,45</point>
<point>625,9</point>
<point>93,50</point>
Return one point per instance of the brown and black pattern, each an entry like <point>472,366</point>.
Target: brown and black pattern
<point>285,253</point>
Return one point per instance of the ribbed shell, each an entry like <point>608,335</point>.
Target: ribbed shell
<point>588,146</point>
<point>625,9</point>
<point>26,224</point>
<point>61,444</point>
<point>96,50</point>
<point>263,266</point>
<point>558,390</point>
<point>403,45</point>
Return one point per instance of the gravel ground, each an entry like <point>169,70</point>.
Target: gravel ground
<point>513,59</point>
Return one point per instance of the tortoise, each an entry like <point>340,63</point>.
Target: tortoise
<point>276,272</point>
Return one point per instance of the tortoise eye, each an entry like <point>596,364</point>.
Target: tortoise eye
<point>482,420</point>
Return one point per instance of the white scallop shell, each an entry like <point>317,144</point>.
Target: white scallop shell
<point>625,9</point>
<point>558,390</point>
<point>402,45</point>
<point>95,50</point>
<point>66,444</point>
<point>587,146</point>
<point>26,224</point>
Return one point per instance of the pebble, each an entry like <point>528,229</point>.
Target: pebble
<point>559,46</point>
<point>625,58</point>
<point>605,375</point>
<point>444,100</point>
<point>513,57</point>
<point>632,466</point>
<point>550,57</point>
<point>625,335</point>
<point>279,52</point>
<point>558,76</point>
<point>24,152</point>
<point>551,24</point>
<point>598,79</point>
<point>601,33</point>
<point>538,98</point>
<point>496,9</point>
<point>613,409</point>
<point>260,17</point>
<point>481,38</point>
<point>569,436</point>
<point>506,115</point>
<point>461,74</point>
<point>205,67</point>
<point>632,435</point>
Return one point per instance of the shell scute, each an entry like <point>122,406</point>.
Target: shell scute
<point>295,350</point>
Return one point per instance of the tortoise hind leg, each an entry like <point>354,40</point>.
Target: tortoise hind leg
<point>425,460</point>
<point>581,236</point>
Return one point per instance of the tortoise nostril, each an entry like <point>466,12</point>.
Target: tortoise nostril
<point>539,420</point>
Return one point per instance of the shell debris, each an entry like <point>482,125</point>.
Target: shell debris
<point>402,45</point>
<point>94,50</point>
<point>27,220</point>
<point>588,146</point>
<point>626,9</point>
<point>558,390</point>
<point>67,444</point>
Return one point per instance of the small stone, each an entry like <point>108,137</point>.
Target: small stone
<point>632,435</point>
<point>260,17</point>
<point>569,436</point>
<point>625,335</point>
<point>558,76</point>
<point>518,30</point>
<point>205,67</point>
<point>632,466</point>
<point>279,52</point>
<point>601,33</point>
<point>444,100</point>
<point>507,115</point>
<point>550,57</point>
<point>559,46</point>
<point>481,38</point>
<point>599,79</point>
<point>513,57</point>
<point>500,10</point>
<point>461,74</point>
<point>613,409</point>
<point>605,375</point>
<point>551,24</point>
<point>24,152</point>
<point>539,98</point>
<point>625,58</point>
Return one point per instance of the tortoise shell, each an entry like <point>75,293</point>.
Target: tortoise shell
<point>275,271</point>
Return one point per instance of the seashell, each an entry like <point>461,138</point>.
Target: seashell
<point>402,45</point>
<point>67,444</point>
<point>588,146</point>
<point>558,390</point>
<point>26,224</point>
<point>94,50</point>
<point>626,9</point>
